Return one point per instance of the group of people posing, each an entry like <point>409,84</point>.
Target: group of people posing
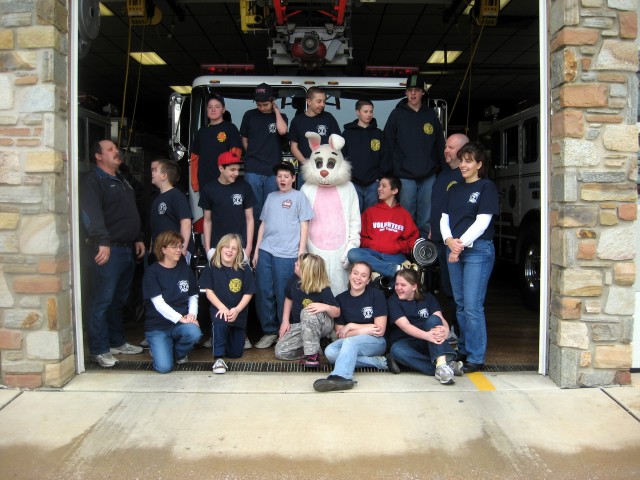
<point>401,198</point>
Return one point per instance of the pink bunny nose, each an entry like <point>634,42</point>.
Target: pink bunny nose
<point>324,173</point>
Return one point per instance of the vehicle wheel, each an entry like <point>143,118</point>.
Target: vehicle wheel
<point>529,267</point>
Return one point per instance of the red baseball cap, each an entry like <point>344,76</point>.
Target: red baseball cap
<point>228,158</point>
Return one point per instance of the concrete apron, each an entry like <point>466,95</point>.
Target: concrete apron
<point>274,426</point>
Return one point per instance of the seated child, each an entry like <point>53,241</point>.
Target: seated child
<point>309,309</point>
<point>229,286</point>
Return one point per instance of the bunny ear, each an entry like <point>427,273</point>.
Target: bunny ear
<point>314,140</point>
<point>336,141</point>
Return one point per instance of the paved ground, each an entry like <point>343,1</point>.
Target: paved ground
<point>194,425</point>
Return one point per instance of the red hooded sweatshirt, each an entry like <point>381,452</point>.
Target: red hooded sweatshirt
<point>388,229</point>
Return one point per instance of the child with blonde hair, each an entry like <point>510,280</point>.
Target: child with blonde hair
<point>229,286</point>
<point>309,310</point>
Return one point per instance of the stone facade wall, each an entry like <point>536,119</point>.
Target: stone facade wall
<point>36,331</point>
<point>594,145</point>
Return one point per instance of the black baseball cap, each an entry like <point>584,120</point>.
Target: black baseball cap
<point>415,81</point>
<point>263,93</point>
<point>288,166</point>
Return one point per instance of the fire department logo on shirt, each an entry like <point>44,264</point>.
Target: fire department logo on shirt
<point>236,198</point>
<point>428,128</point>
<point>474,197</point>
<point>235,285</point>
<point>183,286</point>
<point>322,130</point>
<point>423,312</point>
<point>162,208</point>
<point>222,137</point>
<point>272,128</point>
<point>375,145</point>
<point>367,312</point>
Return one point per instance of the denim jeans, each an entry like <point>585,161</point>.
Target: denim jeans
<point>163,343</point>
<point>272,275</point>
<point>367,195</point>
<point>421,355</point>
<point>359,351</point>
<point>111,286</point>
<point>262,185</point>
<point>228,341</point>
<point>385,264</point>
<point>469,280</point>
<point>415,196</point>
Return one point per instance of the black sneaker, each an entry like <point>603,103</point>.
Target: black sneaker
<point>391,364</point>
<point>333,383</point>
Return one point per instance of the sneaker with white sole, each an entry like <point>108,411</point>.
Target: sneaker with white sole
<point>267,340</point>
<point>182,361</point>
<point>208,343</point>
<point>247,343</point>
<point>456,366</point>
<point>144,343</point>
<point>220,366</point>
<point>126,349</point>
<point>105,360</point>
<point>445,374</point>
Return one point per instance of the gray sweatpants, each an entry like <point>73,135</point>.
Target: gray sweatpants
<point>304,338</point>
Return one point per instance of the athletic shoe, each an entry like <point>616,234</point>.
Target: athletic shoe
<point>391,364</point>
<point>333,383</point>
<point>444,373</point>
<point>105,360</point>
<point>267,340</point>
<point>311,361</point>
<point>247,343</point>
<point>182,361</point>
<point>144,343</point>
<point>220,366</point>
<point>126,349</point>
<point>457,368</point>
<point>208,343</point>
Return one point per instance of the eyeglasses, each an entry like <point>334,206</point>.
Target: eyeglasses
<point>175,247</point>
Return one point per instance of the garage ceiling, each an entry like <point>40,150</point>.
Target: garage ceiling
<point>504,69</point>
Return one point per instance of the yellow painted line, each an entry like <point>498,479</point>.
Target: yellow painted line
<point>481,382</point>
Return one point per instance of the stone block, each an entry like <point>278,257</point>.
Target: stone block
<point>55,132</point>
<point>10,339</point>
<point>621,138</point>
<point>612,356</point>
<point>567,123</point>
<point>38,235</point>
<point>603,192</point>
<point>578,282</point>
<point>608,217</point>
<point>58,264</point>
<point>8,242</point>
<point>40,98</point>
<point>585,359</point>
<point>7,92</point>
<point>620,301</point>
<point>563,13</point>
<point>593,306</point>
<point>58,374</point>
<point>6,39</point>
<point>598,22</point>
<point>584,95</point>
<point>618,90</point>
<point>564,187</point>
<point>602,176</point>
<point>573,334</point>
<point>564,67</point>
<point>45,161</point>
<point>43,345</point>
<point>587,249</point>
<point>564,246</point>
<point>604,118</point>
<point>628,212</point>
<point>616,55</point>
<point>9,168</point>
<point>563,365</point>
<point>628,5</point>
<point>566,308</point>
<point>577,153</point>
<point>37,284</point>
<point>9,220</point>
<point>22,366</point>
<point>23,319</point>
<point>628,24</point>
<point>41,36</point>
<point>605,332</point>
<point>33,380</point>
<point>6,297</point>
<point>617,243</point>
<point>623,377</point>
<point>596,378</point>
<point>624,273</point>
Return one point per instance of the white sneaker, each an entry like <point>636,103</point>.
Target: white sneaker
<point>267,340</point>
<point>105,360</point>
<point>208,343</point>
<point>445,374</point>
<point>126,349</point>
<point>144,343</point>
<point>182,361</point>
<point>247,343</point>
<point>220,366</point>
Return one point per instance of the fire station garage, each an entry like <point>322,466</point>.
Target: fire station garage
<point>549,88</point>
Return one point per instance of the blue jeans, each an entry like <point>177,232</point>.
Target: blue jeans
<point>272,275</point>
<point>111,286</point>
<point>415,196</point>
<point>227,341</point>
<point>360,351</point>
<point>180,338</point>
<point>367,195</point>
<point>469,280</point>
<point>262,185</point>
<point>385,264</point>
<point>421,355</point>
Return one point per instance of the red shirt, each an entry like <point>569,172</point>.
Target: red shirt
<point>388,229</point>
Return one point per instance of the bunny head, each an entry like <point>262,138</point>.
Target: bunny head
<point>326,166</point>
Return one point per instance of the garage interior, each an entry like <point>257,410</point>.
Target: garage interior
<point>486,60</point>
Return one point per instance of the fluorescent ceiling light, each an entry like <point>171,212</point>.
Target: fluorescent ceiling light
<point>147,58</point>
<point>182,89</point>
<point>104,11</point>
<point>438,56</point>
<point>503,3</point>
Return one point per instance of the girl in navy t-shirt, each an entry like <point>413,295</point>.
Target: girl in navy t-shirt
<point>467,230</point>
<point>229,285</point>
